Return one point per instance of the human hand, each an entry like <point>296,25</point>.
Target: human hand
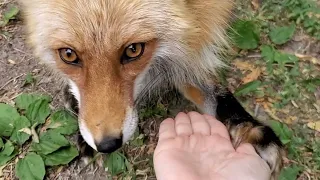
<point>196,147</point>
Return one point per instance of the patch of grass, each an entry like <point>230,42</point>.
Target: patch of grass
<point>285,77</point>
<point>38,135</point>
<point>8,15</point>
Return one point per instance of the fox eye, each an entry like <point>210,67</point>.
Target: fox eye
<point>132,52</point>
<point>69,56</point>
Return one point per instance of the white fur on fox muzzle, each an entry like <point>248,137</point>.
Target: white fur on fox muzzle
<point>86,134</point>
<point>130,124</point>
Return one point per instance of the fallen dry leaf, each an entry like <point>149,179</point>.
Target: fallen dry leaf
<point>255,4</point>
<point>243,65</point>
<point>12,61</point>
<point>314,125</point>
<point>151,149</point>
<point>308,58</point>
<point>253,75</point>
<point>246,66</point>
<point>26,130</point>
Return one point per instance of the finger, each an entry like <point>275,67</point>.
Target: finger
<point>183,125</point>
<point>247,148</point>
<point>199,124</point>
<point>217,127</point>
<point>167,130</point>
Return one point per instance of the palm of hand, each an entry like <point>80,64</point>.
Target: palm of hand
<point>198,147</point>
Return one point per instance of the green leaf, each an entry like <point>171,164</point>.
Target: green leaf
<point>247,88</point>
<point>5,159</point>
<point>246,35</point>
<point>31,168</point>
<point>21,132</point>
<point>38,111</point>
<point>138,139</point>
<point>50,141</point>
<point>13,11</point>
<point>63,122</point>
<point>283,58</point>
<point>281,35</point>
<point>61,157</point>
<point>282,131</point>
<point>8,149</point>
<point>24,100</point>
<point>1,144</point>
<point>116,163</point>
<point>267,52</point>
<point>10,14</point>
<point>290,173</point>
<point>29,79</point>
<point>8,115</point>
<point>7,153</point>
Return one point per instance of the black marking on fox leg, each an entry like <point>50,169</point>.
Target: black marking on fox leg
<point>231,112</point>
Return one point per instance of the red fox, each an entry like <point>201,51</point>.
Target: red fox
<point>113,53</point>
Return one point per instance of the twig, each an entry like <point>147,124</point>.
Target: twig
<point>20,50</point>
<point>90,162</point>
<point>10,81</point>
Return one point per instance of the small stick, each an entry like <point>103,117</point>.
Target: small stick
<point>10,81</point>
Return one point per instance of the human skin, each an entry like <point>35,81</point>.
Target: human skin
<point>198,147</point>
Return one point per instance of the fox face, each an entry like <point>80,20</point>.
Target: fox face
<point>111,51</point>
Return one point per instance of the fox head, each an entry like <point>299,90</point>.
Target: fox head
<point>107,49</point>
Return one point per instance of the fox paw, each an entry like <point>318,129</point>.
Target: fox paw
<point>263,139</point>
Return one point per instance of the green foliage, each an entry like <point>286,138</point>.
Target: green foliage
<point>8,149</point>
<point>29,79</point>
<point>311,84</point>
<point>62,156</point>
<point>245,35</point>
<point>9,15</point>
<point>116,163</point>
<point>290,173</point>
<point>138,139</point>
<point>1,144</point>
<point>282,131</point>
<point>50,142</point>
<point>24,100</point>
<point>21,132</point>
<point>158,110</point>
<point>31,167</point>
<point>247,88</point>
<point>7,153</point>
<point>53,148</point>
<point>63,122</point>
<point>38,111</point>
<point>8,115</point>
<point>281,35</point>
<point>305,13</point>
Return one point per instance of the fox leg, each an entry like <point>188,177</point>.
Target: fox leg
<point>243,128</point>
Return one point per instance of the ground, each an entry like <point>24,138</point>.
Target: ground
<point>278,94</point>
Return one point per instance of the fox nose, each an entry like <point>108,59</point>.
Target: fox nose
<point>109,144</point>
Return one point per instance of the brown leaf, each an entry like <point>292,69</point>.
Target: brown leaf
<point>151,149</point>
<point>12,61</point>
<point>314,125</point>
<point>308,58</point>
<point>255,4</point>
<point>253,75</point>
<point>243,65</point>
